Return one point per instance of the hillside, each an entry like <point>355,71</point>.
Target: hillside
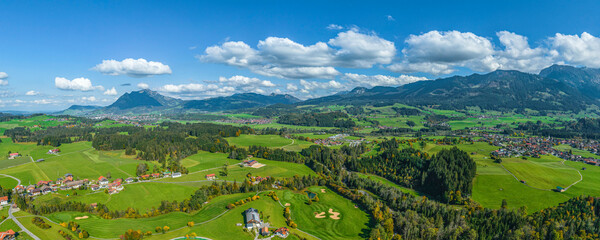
<point>239,101</point>
<point>496,90</point>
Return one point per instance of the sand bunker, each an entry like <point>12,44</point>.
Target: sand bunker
<point>79,218</point>
<point>322,190</point>
<point>258,165</point>
<point>320,215</point>
<point>334,215</point>
<point>288,204</point>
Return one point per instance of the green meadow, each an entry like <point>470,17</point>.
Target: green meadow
<point>272,141</point>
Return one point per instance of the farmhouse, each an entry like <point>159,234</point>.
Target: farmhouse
<point>211,176</point>
<point>176,175</point>
<point>129,180</point>
<point>68,177</point>
<point>13,155</point>
<point>46,189</point>
<point>282,232</point>
<point>264,230</point>
<point>102,180</point>
<point>4,200</point>
<point>36,192</point>
<point>53,151</point>
<point>19,188</point>
<point>94,187</point>
<point>74,184</point>
<point>8,235</point>
<point>249,163</point>
<point>156,175</point>
<point>252,218</point>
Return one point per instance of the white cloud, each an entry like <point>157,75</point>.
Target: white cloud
<point>390,18</point>
<point>380,80</point>
<point>441,52</point>
<point>80,84</point>
<point>298,72</point>
<point>424,67</point>
<point>578,50</point>
<point>111,92</point>
<point>359,50</point>
<point>187,88</point>
<point>314,85</point>
<point>3,82</point>
<point>132,67</point>
<point>284,58</point>
<point>245,81</point>
<point>286,52</point>
<point>32,93</point>
<point>447,47</point>
<point>334,27</point>
<point>43,101</point>
<point>232,53</point>
<point>3,75</point>
<point>291,87</point>
<point>89,99</point>
<point>143,85</point>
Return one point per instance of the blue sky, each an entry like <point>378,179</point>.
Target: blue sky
<point>57,53</point>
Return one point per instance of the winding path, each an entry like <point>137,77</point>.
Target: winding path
<point>10,215</point>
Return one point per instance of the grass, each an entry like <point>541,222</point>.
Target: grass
<point>259,140</point>
<point>238,173</point>
<point>79,159</point>
<point>141,196</point>
<point>545,173</point>
<point>104,228</point>
<point>586,154</point>
<point>353,223</point>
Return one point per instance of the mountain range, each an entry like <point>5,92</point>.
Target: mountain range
<point>557,87</point>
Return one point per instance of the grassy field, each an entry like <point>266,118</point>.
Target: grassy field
<point>238,173</point>
<point>104,228</point>
<point>79,159</point>
<point>493,183</point>
<point>147,195</point>
<point>272,141</point>
<point>583,153</point>
<point>351,225</point>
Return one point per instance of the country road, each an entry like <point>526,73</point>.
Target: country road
<point>10,216</point>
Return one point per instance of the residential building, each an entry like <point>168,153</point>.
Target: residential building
<point>4,200</point>
<point>282,232</point>
<point>176,175</point>
<point>8,235</point>
<point>252,218</point>
<point>211,176</point>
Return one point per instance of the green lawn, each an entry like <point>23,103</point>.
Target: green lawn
<point>238,173</point>
<point>141,196</point>
<point>351,225</point>
<point>259,140</point>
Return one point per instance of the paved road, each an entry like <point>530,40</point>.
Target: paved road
<point>18,180</point>
<point>10,215</point>
<point>10,212</point>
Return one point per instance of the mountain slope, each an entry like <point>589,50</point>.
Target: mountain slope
<point>586,80</point>
<point>145,99</point>
<point>78,110</point>
<point>496,90</point>
<point>239,101</point>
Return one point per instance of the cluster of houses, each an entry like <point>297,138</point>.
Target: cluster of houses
<point>67,183</point>
<point>8,235</point>
<point>253,222</point>
<point>248,121</point>
<point>328,142</point>
<point>537,146</point>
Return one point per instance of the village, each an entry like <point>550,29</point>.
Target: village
<point>537,146</point>
<point>69,182</point>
